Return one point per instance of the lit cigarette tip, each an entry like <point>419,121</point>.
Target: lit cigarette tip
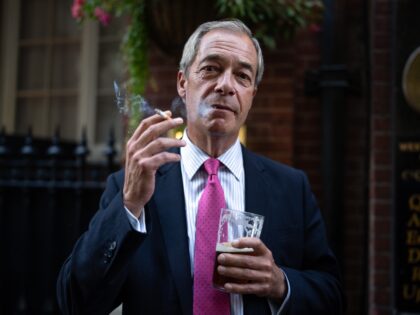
<point>162,114</point>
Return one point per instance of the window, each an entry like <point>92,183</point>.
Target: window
<point>56,73</point>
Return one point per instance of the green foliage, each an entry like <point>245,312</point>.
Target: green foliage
<point>134,44</point>
<point>273,18</point>
<point>134,47</point>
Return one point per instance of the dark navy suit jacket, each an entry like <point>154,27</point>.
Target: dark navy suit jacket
<point>150,274</point>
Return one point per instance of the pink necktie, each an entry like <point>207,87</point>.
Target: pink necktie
<point>208,300</point>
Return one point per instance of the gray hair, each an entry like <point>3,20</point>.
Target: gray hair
<point>191,46</point>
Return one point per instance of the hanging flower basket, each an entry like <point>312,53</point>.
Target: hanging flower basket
<point>170,22</point>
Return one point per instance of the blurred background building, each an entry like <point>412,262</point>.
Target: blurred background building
<point>341,102</point>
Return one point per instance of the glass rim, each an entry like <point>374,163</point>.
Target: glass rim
<point>252,214</point>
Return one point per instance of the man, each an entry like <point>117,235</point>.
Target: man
<point>140,248</point>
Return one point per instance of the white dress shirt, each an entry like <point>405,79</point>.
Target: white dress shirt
<point>194,178</point>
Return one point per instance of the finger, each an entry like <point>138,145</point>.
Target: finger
<point>145,123</point>
<point>158,129</point>
<point>245,261</point>
<point>155,147</point>
<point>252,242</point>
<point>243,274</point>
<point>151,133</point>
<point>149,121</point>
<point>154,162</point>
<point>162,144</point>
<point>259,289</point>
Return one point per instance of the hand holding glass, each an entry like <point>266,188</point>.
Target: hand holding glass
<point>234,225</point>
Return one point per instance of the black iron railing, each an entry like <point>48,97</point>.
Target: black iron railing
<point>48,193</point>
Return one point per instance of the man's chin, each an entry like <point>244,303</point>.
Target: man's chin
<point>220,129</point>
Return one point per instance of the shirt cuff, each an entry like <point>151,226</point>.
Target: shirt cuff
<point>275,308</point>
<point>137,224</point>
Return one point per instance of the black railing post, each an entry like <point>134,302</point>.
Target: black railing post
<point>54,153</point>
<point>110,151</point>
<point>21,224</point>
<point>4,152</point>
<point>4,224</point>
<point>81,153</point>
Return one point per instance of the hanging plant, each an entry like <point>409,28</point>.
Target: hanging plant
<point>134,43</point>
<point>271,19</point>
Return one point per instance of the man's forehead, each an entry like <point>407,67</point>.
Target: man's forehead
<point>219,42</point>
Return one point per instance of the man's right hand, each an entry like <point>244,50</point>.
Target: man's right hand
<point>146,151</point>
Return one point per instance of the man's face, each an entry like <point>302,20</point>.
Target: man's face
<point>220,85</point>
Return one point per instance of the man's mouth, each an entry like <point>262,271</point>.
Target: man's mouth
<point>222,107</point>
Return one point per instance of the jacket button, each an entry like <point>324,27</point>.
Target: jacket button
<point>108,254</point>
<point>112,245</point>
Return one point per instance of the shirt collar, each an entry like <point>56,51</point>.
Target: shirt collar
<point>192,157</point>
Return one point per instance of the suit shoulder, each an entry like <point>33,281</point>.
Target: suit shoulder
<point>116,178</point>
<point>276,168</point>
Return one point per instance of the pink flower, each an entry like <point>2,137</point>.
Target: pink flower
<point>76,11</point>
<point>103,16</point>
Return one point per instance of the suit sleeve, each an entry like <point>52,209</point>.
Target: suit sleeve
<point>316,285</point>
<point>92,277</point>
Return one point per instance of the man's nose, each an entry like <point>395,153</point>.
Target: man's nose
<point>225,84</point>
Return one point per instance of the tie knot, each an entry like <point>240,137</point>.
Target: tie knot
<point>211,166</point>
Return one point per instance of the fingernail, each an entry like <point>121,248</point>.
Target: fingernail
<point>221,258</point>
<point>178,120</point>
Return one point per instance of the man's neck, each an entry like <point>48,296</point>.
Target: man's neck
<point>213,145</point>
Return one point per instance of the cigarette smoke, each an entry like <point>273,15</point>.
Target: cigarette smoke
<point>125,103</point>
<point>204,109</point>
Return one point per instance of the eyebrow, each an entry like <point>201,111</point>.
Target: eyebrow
<point>217,57</point>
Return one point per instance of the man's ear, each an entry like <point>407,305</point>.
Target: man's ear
<point>182,83</point>
<point>255,91</point>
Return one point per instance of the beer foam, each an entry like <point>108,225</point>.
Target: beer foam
<point>228,248</point>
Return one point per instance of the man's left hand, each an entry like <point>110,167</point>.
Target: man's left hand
<point>257,273</point>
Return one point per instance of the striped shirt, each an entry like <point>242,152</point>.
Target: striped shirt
<point>194,178</point>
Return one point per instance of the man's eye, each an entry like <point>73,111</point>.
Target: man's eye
<point>244,77</point>
<point>209,68</point>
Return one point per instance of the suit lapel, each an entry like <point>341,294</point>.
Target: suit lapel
<point>256,188</point>
<point>170,207</point>
<point>256,196</point>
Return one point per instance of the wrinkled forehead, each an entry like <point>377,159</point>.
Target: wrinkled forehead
<point>229,44</point>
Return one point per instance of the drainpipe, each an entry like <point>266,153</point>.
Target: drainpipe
<point>330,82</point>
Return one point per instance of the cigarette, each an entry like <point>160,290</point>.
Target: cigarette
<point>162,114</point>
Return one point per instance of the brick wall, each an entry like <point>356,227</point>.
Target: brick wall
<point>308,123</point>
<point>380,296</point>
<point>270,122</point>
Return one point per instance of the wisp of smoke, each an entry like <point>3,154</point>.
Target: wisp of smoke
<point>125,102</point>
<point>204,109</point>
